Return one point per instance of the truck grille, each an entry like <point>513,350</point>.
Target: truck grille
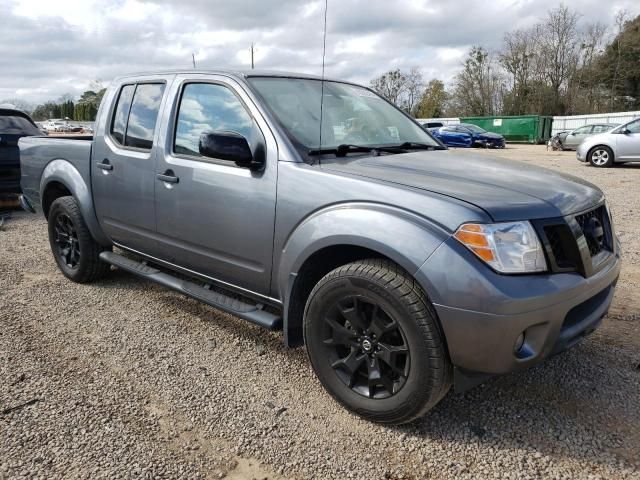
<point>563,241</point>
<point>558,245</point>
<point>596,231</point>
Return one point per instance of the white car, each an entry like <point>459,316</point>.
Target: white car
<point>619,145</point>
<point>55,126</point>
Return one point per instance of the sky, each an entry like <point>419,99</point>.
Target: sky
<point>50,47</point>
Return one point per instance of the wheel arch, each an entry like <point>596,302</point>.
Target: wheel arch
<point>348,234</point>
<point>60,178</point>
<point>601,145</point>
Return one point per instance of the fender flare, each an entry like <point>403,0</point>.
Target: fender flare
<point>402,236</point>
<point>65,173</point>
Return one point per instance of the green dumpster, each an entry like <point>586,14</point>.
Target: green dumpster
<point>517,129</point>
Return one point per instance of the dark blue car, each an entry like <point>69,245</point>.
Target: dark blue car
<point>467,135</point>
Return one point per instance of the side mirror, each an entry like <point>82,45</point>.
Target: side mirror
<point>229,146</point>
<point>625,131</point>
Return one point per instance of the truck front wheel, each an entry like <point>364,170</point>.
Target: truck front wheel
<point>73,247</point>
<point>374,343</point>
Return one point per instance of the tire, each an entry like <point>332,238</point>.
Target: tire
<point>393,377</point>
<point>73,247</point>
<point>601,156</point>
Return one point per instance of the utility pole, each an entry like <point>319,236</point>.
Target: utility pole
<point>252,52</point>
<point>193,57</point>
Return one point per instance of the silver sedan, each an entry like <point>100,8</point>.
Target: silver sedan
<point>620,145</point>
<point>571,140</point>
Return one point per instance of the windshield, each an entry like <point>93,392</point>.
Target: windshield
<point>473,128</point>
<point>350,114</point>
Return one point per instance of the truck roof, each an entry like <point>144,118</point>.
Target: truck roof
<point>242,74</point>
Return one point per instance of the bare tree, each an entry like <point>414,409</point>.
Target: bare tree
<point>391,85</point>
<point>518,58</point>
<point>559,51</point>
<point>413,90</point>
<point>478,88</point>
<point>584,94</point>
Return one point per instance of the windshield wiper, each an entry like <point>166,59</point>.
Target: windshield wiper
<point>345,148</point>
<point>419,146</point>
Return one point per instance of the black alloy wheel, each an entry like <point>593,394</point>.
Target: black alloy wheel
<point>66,241</point>
<point>375,343</point>
<point>366,347</point>
<point>74,249</point>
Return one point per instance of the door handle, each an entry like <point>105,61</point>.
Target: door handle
<point>105,165</point>
<point>167,177</point>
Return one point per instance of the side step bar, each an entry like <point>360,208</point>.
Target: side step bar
<point>252,313</point>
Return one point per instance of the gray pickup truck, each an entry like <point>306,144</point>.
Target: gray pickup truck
<point>319,208</point>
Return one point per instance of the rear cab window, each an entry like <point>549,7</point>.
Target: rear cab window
<point>136,113</point>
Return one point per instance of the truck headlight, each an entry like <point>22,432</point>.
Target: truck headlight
<point>510,247</point>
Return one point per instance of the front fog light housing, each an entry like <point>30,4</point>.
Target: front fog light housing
<point>510,247</point>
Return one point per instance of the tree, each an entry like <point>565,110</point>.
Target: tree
<point>518,58</point>
<point>413,89</point>
<point>47,110</point>
<point>391,85</point>
<point>433,100</point>
<point>621,68</point>
<point>87,106</point>
<point>478,88</point>
<point>585,94</point>
<point>558,44</point>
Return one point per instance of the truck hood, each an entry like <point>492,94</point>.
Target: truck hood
<point>505,189</point>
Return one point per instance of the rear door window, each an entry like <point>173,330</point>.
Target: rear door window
<point>119,123</point>
<point>143,115</point>
<point>583,130</point>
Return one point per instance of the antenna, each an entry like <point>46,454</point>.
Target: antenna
<point>324,51</point>
<point>252,52</point>
<point>193,57</point>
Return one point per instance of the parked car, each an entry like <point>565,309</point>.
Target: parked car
<point>402,266</point>
<point>429,125</point>
<point>41,126</point>
<point>14,125</point>
<point>571,140</point>
<point>620,145</point>
<point>468,135</point>
<point>55,126</point>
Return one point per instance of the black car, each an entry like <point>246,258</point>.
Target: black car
<point>14,124</point>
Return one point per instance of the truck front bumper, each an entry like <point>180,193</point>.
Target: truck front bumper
<point>495,324</point>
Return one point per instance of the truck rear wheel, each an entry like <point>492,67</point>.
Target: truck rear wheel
<point>374,342</point>
<point>73,247</point>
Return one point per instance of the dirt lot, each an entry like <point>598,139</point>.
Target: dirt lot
<point>126,379</point>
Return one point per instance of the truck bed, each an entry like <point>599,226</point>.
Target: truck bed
<point>36,153</point>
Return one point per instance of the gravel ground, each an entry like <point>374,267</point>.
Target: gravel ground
<point>125,379</point>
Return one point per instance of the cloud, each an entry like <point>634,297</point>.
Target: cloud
<point>52,48</point>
